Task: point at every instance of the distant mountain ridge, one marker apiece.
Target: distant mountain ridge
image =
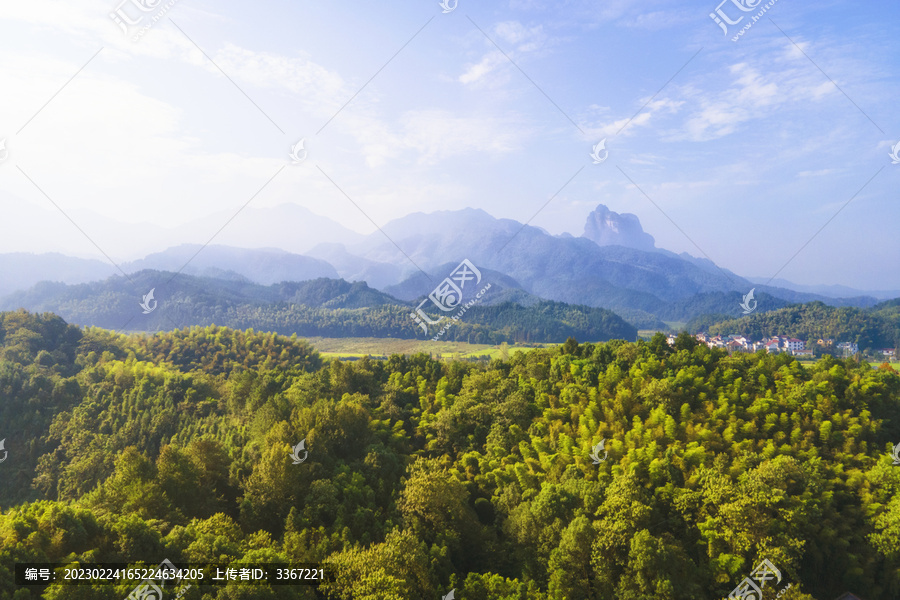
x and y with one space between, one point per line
614 265
262 265
572 270
22 270
575 270
320 307
830 291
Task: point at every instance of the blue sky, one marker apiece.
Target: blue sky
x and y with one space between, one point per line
744 155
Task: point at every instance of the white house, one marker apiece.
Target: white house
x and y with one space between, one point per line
793 344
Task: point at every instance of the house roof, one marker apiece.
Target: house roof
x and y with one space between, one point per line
848 596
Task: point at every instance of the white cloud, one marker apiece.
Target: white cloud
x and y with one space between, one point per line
313 85
476 72
526 39
629 125
431 136
660 19
751 95
517 39
818 173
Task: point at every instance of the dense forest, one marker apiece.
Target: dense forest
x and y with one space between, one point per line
315 308
877 327
425 476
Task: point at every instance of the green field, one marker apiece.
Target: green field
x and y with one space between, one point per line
674 327
360 347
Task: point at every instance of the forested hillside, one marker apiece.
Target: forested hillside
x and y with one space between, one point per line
878 327
315 308
425 476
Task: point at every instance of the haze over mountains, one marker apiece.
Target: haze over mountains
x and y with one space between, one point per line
289 227
318 307
613 265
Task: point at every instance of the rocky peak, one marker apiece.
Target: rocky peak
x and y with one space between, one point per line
607 228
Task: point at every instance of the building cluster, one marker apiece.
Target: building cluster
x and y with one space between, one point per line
781 344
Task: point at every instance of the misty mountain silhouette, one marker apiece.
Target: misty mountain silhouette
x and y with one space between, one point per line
613 265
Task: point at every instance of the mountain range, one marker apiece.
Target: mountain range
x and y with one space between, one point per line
318 307
613 265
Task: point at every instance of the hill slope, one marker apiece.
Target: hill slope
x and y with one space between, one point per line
875 328
321 307
637 280
420 476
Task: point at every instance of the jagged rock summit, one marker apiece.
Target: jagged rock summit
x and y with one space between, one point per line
607 228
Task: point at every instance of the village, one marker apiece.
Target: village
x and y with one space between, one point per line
786 345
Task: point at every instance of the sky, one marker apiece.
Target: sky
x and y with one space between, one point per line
768 152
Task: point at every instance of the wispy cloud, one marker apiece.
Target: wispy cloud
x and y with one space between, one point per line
516 40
